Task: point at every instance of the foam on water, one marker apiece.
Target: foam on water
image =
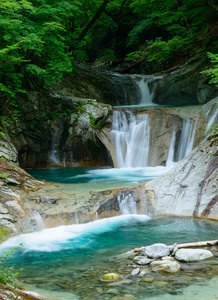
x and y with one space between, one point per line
123 174
70 236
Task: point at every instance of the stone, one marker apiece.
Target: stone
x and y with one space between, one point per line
166 266
189 255
171 248
137 258
148 279
144 261
129 297
121 282
156 250
112 291
110 277
135 272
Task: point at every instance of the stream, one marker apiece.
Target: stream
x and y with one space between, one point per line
67 262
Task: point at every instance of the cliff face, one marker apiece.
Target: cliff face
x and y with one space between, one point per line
190 188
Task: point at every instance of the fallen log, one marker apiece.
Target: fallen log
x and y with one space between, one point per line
198 244
188 245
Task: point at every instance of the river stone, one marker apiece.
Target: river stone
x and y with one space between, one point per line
193 254
110 277
166 266
156 251
135 272
112 291
137 258
144 261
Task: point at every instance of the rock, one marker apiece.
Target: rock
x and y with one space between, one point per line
188 255
121 282
112 291
137 258
142 274
168 258
199 177
144 261
171 248
110 277
135 272
15 208
129 297
148 279
156 250
166 266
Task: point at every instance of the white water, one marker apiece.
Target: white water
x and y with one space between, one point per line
38 219
170 159
127 204
132 138
145 95
70 236
187 138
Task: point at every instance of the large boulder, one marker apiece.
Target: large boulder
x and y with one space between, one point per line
190 188
166 266
156 251
189 255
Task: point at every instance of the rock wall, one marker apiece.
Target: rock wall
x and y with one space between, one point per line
190 188
184 85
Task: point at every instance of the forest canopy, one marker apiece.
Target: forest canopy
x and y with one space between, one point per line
41 40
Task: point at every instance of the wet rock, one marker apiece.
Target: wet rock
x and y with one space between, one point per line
166 266
193 254
112 291
110 277
15 208
144 261
148 279
156 251
135 272
121 282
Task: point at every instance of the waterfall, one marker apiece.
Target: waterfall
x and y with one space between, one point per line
170 159
132 137
187 138
127 204
38 219
145 96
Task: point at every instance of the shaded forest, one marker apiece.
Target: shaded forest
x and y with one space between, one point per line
42 40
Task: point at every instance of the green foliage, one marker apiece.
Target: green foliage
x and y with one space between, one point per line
213 71
8 275
4 175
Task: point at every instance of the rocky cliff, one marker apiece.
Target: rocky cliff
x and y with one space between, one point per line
190 188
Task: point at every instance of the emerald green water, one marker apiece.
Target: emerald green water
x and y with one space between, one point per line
67 262
92 175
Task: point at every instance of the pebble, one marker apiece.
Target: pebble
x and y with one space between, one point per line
135 272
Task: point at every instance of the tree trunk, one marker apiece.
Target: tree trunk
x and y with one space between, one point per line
94 19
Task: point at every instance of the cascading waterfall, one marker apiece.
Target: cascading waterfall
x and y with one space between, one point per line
38 219
145 96
127 204
187 138
170 159
132 137
132 140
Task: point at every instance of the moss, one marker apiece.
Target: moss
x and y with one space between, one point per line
110 276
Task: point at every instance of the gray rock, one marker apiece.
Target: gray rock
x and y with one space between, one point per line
137 258
188 255
144 261
166 266
156 250
135 272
